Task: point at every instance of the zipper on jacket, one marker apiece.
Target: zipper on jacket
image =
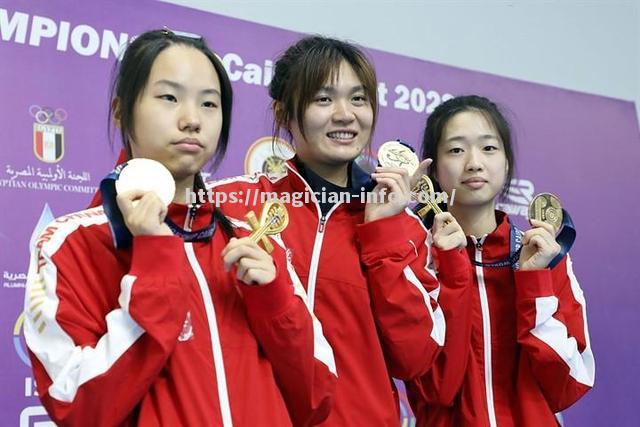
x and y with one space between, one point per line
321 225
214 334
317 245
315 258
486 332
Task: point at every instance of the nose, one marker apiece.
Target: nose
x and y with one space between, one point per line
474 160
343 112
189 119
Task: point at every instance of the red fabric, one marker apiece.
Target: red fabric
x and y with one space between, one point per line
377 322
166 375
530 381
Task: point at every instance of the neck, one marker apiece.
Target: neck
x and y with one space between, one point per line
475 221
184 186
337 175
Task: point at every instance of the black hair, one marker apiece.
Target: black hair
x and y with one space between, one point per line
132 73
130 79
438 120
304 68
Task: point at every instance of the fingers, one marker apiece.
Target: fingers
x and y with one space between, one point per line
248 270
143 213
444 220
399 175
125 200
541 224
447 233
252 263
390 184
548 237
423 169
239 248
543 240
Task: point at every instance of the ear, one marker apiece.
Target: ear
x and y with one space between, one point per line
279 114
115 111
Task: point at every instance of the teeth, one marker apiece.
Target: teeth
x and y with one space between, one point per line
341 135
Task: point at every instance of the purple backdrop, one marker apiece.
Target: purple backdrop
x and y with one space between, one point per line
56 62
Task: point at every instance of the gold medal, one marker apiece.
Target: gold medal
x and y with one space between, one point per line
546 207
424 193
393 154
273 220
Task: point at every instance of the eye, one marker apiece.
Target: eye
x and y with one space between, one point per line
456 150
322 99
359 99
490 148
210 104
168 97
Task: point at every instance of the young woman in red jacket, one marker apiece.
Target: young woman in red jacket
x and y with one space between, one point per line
517 345
365 266
187 325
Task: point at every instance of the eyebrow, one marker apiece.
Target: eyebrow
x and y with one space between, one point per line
463 139
332 89
178 86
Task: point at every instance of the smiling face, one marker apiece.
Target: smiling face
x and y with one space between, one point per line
177 118
471 160
337 123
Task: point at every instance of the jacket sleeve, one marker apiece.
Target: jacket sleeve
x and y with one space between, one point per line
292 339
442 383
552 330
396 253
82 360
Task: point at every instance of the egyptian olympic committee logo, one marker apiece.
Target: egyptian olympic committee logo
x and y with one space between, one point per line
268 156
48 133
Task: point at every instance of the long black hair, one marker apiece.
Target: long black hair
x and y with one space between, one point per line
438 120
130 78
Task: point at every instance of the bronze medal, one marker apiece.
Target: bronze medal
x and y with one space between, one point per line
546 207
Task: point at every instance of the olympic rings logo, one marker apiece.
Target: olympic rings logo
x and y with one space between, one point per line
47 115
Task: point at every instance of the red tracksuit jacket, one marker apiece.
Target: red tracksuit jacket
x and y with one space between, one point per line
159 335
370 286
517 345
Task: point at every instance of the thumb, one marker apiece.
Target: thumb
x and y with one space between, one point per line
423 169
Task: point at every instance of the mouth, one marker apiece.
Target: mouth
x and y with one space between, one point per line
475 182
342 136
189 145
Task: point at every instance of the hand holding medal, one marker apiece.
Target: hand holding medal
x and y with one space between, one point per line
552 234
273 220
142 189
391 195
395 154
254 265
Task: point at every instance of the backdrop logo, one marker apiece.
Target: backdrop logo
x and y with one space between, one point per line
518 198
48 133
268 156
18 341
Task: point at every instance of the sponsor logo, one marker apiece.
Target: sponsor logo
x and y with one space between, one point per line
518 198
268 156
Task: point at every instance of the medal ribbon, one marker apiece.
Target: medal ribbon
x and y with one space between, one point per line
122 237
565 239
